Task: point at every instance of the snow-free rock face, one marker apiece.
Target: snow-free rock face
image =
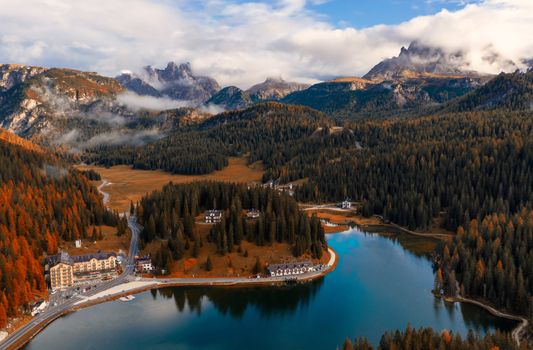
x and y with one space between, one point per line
31 97
421 61
273 89
80 111
175 81
13 74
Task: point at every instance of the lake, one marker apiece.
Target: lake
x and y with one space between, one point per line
378 285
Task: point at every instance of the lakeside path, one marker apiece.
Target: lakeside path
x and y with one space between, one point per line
517 332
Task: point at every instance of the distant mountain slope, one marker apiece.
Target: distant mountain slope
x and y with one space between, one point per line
420 61
271 132
33 98
176 82
274 89
77 111
513 91
231 97
351 98
419 79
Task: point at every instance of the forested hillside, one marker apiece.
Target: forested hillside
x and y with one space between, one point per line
427 338
346 100
508 91
456 166
170 214
270 132
491 259
41 203
464 166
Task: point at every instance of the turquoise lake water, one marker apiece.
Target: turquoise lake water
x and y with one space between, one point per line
378 285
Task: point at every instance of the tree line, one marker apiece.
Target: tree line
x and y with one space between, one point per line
410 171
427 338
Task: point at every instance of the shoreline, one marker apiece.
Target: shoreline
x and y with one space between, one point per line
517 333
140 285
143 285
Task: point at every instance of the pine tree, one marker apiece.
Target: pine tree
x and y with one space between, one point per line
208 264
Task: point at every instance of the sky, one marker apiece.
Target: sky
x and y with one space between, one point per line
241 42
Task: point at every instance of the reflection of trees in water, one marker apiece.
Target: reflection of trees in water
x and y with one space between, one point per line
419 246
478 320
268 301
473 316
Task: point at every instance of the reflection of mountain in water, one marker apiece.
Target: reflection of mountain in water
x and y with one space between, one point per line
268 301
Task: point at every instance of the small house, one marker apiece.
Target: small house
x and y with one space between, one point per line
213 216
144 264
346 204
253 214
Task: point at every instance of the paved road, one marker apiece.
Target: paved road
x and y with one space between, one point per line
21 335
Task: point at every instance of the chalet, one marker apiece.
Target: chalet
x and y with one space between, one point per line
346 204
289 269
144 264
213 216
253 214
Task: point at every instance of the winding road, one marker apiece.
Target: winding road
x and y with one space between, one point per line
104 194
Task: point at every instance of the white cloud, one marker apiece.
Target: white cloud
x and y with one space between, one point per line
135 102
242 43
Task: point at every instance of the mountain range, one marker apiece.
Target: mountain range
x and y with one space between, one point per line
81 110
175 81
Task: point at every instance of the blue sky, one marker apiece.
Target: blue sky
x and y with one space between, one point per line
365 13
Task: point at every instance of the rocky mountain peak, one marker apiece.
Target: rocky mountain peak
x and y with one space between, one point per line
174 81
274 88
14 74
420 60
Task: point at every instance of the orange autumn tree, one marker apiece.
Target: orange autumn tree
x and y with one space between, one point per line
41 203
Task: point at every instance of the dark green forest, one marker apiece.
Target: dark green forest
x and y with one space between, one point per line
170 214
270 132
454 166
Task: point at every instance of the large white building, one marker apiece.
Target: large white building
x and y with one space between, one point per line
66 270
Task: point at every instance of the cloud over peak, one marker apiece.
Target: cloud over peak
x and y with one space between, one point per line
240 43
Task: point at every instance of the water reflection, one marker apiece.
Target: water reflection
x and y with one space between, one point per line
268 302
419 246
380 284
